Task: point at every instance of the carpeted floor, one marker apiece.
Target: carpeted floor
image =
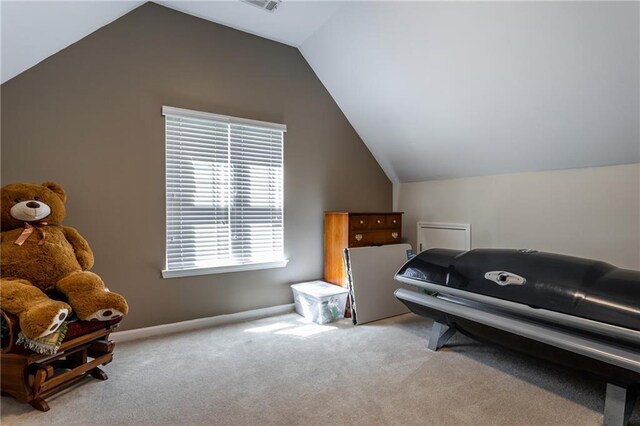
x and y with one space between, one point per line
283 371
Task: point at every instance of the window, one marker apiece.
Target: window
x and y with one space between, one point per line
223 192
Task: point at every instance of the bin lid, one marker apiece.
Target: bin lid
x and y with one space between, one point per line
319 289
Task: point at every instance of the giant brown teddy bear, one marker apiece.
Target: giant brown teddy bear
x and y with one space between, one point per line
40 255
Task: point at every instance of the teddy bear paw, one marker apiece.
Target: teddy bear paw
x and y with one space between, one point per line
104 315
56 323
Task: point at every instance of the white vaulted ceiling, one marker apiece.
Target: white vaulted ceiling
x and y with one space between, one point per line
443 90
435 89
292 23
34 30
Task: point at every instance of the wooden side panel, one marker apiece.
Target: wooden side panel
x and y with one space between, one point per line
15 378
336 238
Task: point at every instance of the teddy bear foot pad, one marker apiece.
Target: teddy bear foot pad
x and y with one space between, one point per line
56 323
104 315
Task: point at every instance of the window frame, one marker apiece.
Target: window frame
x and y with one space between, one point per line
175 273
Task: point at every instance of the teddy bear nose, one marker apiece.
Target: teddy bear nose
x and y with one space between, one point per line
33 205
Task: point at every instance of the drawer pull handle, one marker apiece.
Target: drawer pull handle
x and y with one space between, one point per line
358 237
361 222
378 221
394 221
394 235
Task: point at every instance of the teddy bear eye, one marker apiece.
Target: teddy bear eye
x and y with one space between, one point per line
36 198
17 200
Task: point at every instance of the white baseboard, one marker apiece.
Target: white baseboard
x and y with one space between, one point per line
157 330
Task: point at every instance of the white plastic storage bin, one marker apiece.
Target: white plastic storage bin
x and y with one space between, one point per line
320 301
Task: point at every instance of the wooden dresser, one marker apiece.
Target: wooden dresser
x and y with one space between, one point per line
343 229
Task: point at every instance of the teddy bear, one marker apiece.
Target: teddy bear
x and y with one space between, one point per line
40 255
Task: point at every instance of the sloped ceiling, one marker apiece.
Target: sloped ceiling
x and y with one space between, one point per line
34 30
443 90
435 89
292 23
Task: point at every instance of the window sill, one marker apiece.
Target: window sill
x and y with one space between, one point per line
223 269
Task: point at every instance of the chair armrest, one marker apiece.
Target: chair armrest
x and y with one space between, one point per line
13 326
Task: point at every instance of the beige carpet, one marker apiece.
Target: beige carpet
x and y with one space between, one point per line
282 371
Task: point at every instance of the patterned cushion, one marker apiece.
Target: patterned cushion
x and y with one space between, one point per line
75 329
80 328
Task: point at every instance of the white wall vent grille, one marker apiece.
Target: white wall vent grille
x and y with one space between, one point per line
268 5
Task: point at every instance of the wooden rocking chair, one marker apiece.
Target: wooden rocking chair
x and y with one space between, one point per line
30 377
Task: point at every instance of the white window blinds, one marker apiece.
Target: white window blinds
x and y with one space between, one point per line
224 193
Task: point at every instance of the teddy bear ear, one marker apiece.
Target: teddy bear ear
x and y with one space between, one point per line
57 189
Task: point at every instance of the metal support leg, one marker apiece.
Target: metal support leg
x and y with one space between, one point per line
618 405
440 333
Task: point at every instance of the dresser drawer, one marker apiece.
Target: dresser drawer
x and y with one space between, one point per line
371 238
378 221
371 221
358 222
394 220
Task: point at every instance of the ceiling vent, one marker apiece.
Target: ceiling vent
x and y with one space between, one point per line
268 5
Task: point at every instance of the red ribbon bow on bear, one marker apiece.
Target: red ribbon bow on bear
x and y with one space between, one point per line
28 230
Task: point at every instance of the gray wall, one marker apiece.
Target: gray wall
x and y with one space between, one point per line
590 212
90 118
